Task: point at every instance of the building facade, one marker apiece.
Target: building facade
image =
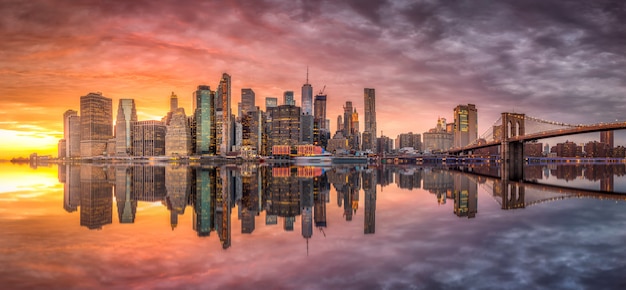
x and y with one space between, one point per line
178 135
205 120
96 124
149 138
438 139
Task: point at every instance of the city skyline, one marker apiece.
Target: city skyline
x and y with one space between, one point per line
558 61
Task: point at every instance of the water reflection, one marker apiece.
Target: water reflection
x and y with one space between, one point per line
288 194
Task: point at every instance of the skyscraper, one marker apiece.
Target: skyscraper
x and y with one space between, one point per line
320 111
223 92
606 137
307 96
465 125
126 115
148 138
370 119
96 124
178 135
247 101
71 133
288 98
347 118
205 120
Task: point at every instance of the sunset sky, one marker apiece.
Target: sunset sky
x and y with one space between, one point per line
555 60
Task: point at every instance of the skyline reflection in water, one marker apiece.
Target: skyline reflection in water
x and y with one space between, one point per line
352 227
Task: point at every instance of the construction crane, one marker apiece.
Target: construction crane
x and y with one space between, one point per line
321 91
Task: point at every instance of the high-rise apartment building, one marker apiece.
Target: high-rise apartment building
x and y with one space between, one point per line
205 120
96 124
465 125
288 98
607 137
126 115
369 102
247 101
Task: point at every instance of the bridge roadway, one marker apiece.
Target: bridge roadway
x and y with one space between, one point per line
546 134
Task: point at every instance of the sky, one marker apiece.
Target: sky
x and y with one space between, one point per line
555 60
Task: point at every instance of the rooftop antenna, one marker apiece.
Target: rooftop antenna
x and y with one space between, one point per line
307 74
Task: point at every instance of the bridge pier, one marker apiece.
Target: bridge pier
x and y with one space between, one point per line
511 193
512 165
511 151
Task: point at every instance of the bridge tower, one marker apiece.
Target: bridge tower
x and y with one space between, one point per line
512 151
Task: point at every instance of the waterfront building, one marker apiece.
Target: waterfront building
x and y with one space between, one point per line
126 115
148 138
597 149
96 124
567 149
411 140
465 125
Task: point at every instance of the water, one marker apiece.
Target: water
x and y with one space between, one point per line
310 228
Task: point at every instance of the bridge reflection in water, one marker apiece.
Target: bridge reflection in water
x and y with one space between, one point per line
513 193
288 193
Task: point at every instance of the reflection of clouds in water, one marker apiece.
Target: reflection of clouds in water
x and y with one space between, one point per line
572 243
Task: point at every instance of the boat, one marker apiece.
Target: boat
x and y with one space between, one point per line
318 159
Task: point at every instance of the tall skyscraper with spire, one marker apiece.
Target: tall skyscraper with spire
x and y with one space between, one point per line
369 132
126 116
307 96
